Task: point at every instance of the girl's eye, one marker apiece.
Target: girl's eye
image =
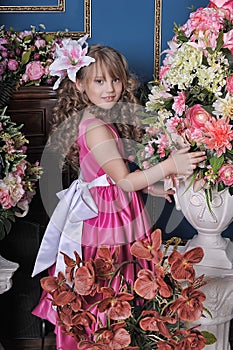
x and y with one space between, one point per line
116 80
99 81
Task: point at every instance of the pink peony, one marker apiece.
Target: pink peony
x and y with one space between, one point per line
34 70
197 116
12 65
229 86
226 174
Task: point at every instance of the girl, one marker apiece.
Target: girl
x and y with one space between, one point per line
99 90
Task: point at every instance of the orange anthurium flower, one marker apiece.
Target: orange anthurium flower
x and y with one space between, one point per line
182 264
84 279
144 249
189 306
149 283
115 305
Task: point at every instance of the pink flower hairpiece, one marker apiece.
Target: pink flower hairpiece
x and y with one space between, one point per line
69 58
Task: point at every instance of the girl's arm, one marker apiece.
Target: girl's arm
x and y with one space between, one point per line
102 144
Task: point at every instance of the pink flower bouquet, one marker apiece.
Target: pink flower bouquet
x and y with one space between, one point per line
26 56
192 103
17 176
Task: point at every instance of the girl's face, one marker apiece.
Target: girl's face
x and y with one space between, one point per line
102 90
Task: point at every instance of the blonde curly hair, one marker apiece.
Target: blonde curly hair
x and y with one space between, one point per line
71 102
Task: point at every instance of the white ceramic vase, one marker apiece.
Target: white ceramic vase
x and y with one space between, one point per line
218 251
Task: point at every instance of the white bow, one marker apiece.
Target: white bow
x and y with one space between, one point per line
64 230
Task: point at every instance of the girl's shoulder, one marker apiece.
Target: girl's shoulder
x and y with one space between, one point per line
91 123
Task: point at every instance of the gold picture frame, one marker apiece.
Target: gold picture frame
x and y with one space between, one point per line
14 9
61 4
157 36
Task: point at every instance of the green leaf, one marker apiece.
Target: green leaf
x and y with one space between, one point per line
216 163
220 41
209 337
26 57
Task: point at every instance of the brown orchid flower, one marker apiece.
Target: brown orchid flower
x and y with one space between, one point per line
115 305
191 339
144 249
54 285
163 345
156 323
91 345
104 264
84 279
70 265
189 306
182 264
149 283
117 337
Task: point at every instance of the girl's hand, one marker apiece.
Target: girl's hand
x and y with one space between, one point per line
157 190
185 162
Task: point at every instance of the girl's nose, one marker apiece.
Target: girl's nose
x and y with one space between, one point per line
110 86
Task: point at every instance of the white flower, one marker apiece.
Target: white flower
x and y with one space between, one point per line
224 106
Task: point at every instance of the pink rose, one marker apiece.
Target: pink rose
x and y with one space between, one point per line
229 86
34 70
226 174
197 116
12 64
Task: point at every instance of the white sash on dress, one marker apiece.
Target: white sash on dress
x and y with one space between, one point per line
64 230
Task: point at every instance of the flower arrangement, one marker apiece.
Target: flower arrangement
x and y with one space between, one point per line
101 309
26 56
192 103
17 175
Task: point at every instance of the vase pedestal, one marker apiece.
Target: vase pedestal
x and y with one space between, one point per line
219 301
218 251
209 223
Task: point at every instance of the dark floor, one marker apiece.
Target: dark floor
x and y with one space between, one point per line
32 344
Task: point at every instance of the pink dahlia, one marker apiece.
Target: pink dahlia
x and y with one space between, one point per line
218 135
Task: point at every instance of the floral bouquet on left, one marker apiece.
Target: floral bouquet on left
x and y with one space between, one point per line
17 175
26 56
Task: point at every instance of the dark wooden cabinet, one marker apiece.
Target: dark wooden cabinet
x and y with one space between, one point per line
32 107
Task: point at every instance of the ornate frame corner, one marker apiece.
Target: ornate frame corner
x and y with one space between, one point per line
14 9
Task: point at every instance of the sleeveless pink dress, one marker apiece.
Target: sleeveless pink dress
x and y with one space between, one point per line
122 219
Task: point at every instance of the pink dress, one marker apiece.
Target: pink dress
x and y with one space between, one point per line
122 218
